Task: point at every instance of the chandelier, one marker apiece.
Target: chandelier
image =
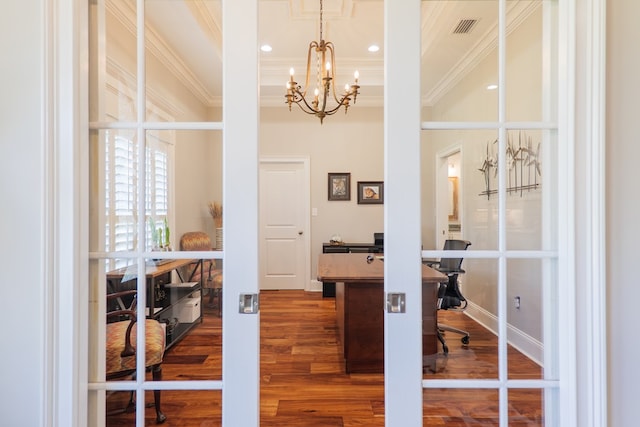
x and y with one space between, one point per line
324 74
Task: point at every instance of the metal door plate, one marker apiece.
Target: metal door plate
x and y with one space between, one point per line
249 303
396 302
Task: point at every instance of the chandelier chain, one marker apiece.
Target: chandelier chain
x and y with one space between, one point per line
321 21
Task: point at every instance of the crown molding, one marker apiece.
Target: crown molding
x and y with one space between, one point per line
332 9
155 101
125 13
516 15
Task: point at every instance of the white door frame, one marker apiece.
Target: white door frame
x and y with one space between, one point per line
441 193
306 225
402 213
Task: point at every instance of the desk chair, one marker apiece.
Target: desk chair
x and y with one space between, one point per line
449 295
209 277
121 350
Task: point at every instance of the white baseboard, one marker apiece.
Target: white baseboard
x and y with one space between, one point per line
314 286
524 343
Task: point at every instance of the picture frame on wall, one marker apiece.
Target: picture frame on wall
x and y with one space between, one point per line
339 185
370 192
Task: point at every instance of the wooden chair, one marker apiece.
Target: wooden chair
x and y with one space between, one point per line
121 351
210 277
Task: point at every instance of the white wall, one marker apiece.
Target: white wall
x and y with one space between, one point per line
351 143
198 175
22 180
623 210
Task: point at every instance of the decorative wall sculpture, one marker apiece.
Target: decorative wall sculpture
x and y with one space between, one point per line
523 163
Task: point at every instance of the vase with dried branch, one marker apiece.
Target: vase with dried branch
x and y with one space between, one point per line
215 209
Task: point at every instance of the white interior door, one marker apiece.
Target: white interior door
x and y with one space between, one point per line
284 224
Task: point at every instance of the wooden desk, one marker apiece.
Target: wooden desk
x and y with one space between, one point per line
360 308
329 288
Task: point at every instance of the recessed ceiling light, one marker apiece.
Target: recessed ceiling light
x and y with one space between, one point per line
374 48
492 87
266 48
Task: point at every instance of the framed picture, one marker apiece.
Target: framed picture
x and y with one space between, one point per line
339 186
370 192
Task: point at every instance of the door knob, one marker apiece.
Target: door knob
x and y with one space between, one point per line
300 233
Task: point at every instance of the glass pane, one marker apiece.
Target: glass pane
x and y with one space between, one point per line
184 60
114 165
113 61
459 407
196 343
458 173
459 60
471 311
524 199
531 62
526 408
198 183
531 189
532 317
181 408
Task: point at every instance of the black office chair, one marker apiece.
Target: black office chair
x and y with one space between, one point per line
449 295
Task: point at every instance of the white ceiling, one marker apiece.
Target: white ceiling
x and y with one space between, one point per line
187 37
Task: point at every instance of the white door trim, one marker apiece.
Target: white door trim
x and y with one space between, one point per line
590 119
442 221
65 230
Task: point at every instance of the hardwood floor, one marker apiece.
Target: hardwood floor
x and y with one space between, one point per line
303 382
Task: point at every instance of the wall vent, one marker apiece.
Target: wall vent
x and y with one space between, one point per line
465 26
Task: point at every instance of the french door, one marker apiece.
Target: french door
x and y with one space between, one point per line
503 259
503 105
213 143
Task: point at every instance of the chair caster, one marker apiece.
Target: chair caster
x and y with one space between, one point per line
465 340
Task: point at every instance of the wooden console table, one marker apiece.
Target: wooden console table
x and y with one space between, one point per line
165 299
360 305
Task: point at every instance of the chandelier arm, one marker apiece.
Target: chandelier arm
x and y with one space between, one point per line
301 101
344 101
313 45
